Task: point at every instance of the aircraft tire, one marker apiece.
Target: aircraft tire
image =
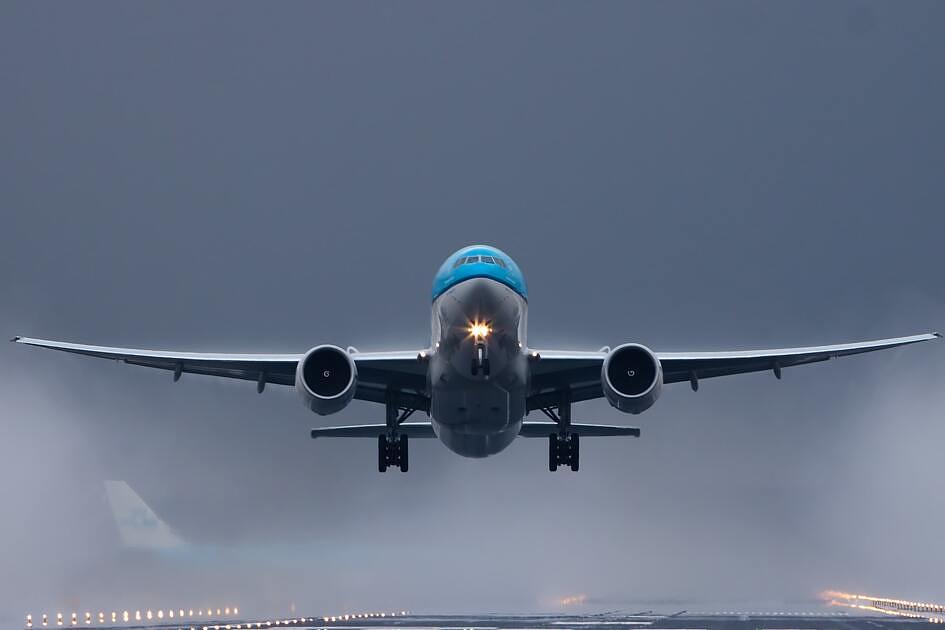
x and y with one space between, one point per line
552 452
404 460
382 453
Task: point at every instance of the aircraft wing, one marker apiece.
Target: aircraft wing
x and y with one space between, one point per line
377 371
578 373
425 430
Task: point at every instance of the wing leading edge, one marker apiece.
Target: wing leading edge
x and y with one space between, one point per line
579 372
377 371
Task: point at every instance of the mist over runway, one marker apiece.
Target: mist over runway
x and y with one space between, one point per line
644 620
248 178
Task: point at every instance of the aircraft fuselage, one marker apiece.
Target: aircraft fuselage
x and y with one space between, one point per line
478 373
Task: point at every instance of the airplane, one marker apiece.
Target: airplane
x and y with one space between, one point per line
138 526
478 379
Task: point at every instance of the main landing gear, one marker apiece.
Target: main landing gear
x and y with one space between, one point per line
564 451
392 446
564 447
392 451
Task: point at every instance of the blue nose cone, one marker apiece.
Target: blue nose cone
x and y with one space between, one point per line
479 261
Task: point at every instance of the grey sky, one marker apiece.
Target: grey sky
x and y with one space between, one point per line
229 176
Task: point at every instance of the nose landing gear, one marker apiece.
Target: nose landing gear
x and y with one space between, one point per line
480 362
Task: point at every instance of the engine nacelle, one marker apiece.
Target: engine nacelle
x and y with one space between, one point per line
326 378
632 378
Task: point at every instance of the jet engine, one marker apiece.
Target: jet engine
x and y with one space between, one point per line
631 377
326 378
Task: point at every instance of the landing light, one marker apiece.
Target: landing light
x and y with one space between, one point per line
479 331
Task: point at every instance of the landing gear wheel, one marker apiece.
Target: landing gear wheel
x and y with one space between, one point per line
553 452
485 367
382 453
402 453
575 452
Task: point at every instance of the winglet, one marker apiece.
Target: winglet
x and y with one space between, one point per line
15 339
937 334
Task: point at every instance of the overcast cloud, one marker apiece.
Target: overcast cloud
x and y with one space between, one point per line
266 177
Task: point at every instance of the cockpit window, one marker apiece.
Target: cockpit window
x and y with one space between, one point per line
488 260
500 262
472 259
459 261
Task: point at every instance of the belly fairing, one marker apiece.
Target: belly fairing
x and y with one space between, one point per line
476 445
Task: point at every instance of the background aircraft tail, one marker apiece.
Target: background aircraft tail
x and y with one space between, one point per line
138 525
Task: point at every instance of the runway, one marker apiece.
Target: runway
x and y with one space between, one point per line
610 621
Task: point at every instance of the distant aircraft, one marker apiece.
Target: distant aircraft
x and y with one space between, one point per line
139 527
478 379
